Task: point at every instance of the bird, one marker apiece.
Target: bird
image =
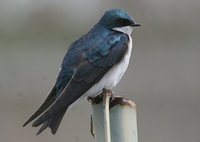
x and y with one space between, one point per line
94 62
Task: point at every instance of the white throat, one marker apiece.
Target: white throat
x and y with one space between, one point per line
126 29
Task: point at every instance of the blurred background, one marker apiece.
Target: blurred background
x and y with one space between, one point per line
163 76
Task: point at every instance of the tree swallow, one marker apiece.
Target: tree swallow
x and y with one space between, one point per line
96 61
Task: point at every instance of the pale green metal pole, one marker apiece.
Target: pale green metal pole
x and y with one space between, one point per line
123 122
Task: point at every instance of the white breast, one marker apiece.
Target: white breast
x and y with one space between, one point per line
113 76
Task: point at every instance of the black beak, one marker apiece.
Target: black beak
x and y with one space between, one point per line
135 25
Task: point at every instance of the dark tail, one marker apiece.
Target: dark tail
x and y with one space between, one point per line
53 123
49 100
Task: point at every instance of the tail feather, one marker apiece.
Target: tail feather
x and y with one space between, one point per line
56 122
53 123
43 127
49 100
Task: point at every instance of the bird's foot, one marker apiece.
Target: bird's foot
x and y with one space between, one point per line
99 98
95 100
108 93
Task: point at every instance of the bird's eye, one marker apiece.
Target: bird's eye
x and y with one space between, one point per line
123 22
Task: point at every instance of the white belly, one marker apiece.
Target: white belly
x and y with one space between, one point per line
113 76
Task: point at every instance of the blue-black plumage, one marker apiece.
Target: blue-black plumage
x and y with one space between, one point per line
94 62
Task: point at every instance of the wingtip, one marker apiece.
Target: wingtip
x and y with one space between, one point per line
29 120
38 122
26 123
35 124
38 133
43 127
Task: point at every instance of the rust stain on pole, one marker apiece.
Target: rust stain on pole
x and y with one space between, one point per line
122 101
118 100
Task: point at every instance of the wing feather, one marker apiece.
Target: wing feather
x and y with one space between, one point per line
86 75
48 101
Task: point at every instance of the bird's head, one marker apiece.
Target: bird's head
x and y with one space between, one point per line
118 20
